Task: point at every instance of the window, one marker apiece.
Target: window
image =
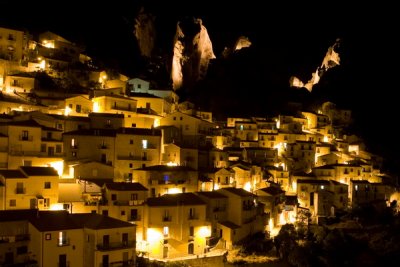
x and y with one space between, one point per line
191 231
166 231
139 86
22 250
62 238
78 108
13 202
58 148
74 154
131 142
174 118
144 144
59 126
47 185
187 127
46 203
130 165
47 236
113 197
43 148
134 196
180 118
73 143
122 212
25 135
133 125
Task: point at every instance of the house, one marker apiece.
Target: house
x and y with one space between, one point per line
176 226
29 188
162 179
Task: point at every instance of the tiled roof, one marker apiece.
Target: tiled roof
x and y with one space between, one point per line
229 224
211 194
12 174
185 199
39 171
125 186
237 191
97 221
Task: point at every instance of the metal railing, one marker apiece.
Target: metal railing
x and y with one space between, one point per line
116 245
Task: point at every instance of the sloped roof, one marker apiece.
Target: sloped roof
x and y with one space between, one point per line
12 174
125 186
211 194
184 199
39 171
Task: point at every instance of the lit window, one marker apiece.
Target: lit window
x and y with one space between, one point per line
47 185
322 186
144 143
241 127
62 238
73 142
166 231
356 187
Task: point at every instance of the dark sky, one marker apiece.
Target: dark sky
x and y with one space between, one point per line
289 38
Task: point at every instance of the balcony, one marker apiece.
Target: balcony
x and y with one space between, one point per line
166 218
63 264
74 147
219 209
14 238
135 218
36 154
116 245
129 263
103 146
134 158
20 190
63 242
25 138
128 202
193 217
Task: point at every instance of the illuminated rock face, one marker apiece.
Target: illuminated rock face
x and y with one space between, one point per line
242 42
192 53
145 32
331 60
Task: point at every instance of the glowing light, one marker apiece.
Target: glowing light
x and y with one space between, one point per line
96 107
67 111
282 220
42 64
204 231
174 190
144 144
57 206
271 224
247 186
172 163
58 166
294 186
216 186
156 123
48 44
153 235
326 140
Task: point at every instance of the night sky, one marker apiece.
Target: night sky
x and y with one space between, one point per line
289 38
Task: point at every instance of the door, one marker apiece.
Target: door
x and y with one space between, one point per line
62 260
50 151
125 239
165 252
105 261
125 258
106 241
33 203
9 258
191 248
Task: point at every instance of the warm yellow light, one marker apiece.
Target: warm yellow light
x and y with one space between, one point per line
104 77
172 163
153 235
326 140
58 166
67 111
216 186
282 220
57 206
174 190
294 186
156 123
48 44
271 224
42 64
96 107
204 231
247 186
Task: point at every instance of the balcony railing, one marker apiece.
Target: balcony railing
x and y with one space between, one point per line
128 202
116 245
25 138
103 146
63 264
20 190
219 209
193 217
36 154
129 263
14 238
166 218
63 242
134 218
